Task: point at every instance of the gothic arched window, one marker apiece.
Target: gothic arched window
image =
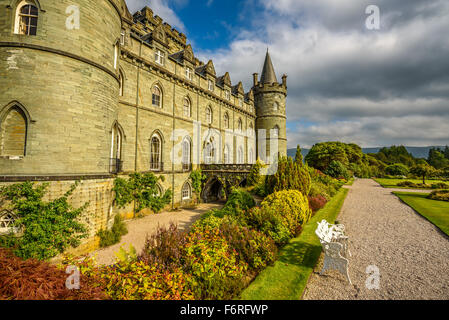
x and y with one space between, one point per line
186 154
209 115
8 223
156 153
121 80
240 156
13 133
186 191
157 97
226 155
27 15
276 132
240 125
187 108
226 121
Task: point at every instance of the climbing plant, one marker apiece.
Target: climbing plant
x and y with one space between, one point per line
197 177
49 227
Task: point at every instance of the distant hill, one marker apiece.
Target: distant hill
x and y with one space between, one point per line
417 152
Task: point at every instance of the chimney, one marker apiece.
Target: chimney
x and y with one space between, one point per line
256 79
284 80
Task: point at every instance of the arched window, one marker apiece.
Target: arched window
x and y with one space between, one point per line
116 54
209 115
156 153
27 15
186 191
13 133
226 121
209 152
7 223
187 108
240 125
226 155
251 130
121 80
276 106
157 97
116 149
159 191
276 132
240 156
186 155
251 156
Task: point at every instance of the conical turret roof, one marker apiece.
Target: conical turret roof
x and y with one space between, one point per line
268 73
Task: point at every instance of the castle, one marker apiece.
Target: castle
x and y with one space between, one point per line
90 92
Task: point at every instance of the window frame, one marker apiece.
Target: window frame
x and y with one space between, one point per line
156 154
160 97
186 192
209 115
159 57
18 17
187 107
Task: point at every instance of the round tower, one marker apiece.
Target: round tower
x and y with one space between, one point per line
271 124
59 85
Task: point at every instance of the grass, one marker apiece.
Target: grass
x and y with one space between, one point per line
288 277
350 182
435 211
393 183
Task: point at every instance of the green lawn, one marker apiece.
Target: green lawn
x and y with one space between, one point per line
392 183
435 211
288 277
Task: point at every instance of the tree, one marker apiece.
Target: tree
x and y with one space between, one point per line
423 170
446 152
290 175
337 170
254 175
298 157
397 169
437 158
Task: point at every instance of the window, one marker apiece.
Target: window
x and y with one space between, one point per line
227 159
209 115
186 191
156 97
211 85
122 37
240 156
115 165
276 106
226 121
26 18
241 103
251 156
187 108
156 153
189 73
227 95
276 132
159 191
7 223
240 125
159 57
209 152
251 130
121 83
13 133
116 54
186 154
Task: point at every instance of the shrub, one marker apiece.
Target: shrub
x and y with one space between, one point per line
49 228
441 195
113 236
316 203
440 185
291 205
337 170
253 247
397 169
165 248
240 199
36 280
408 184
217 272
269 223
197 178
254 176
290 175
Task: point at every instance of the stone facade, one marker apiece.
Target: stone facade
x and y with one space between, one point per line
78 102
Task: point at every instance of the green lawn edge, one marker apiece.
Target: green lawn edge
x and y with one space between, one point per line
437 212
288 277
393 183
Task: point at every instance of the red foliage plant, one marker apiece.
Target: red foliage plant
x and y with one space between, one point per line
36 280
316 203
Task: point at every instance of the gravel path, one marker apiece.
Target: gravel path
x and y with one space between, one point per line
138 229
411 253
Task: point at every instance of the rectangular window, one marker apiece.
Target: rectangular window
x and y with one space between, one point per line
189 73
227 95
122 37
159 57
211 85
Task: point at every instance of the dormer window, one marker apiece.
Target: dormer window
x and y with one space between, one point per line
159 57
122 37
26 18
227 95
211 85
240 102
189 73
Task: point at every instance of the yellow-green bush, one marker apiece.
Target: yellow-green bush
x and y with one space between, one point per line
292 206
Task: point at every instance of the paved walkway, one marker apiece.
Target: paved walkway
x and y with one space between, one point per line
411 253
138 229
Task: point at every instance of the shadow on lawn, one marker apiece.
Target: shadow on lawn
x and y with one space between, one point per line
300 253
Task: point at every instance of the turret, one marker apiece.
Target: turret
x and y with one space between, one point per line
270 101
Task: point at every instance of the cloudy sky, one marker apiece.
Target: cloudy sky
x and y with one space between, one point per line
345 82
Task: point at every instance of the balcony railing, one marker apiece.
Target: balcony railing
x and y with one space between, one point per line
227 167
157 166
186 167
115 166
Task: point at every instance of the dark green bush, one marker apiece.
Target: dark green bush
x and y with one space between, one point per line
440 185
440 195
113 236
337 170
397 169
